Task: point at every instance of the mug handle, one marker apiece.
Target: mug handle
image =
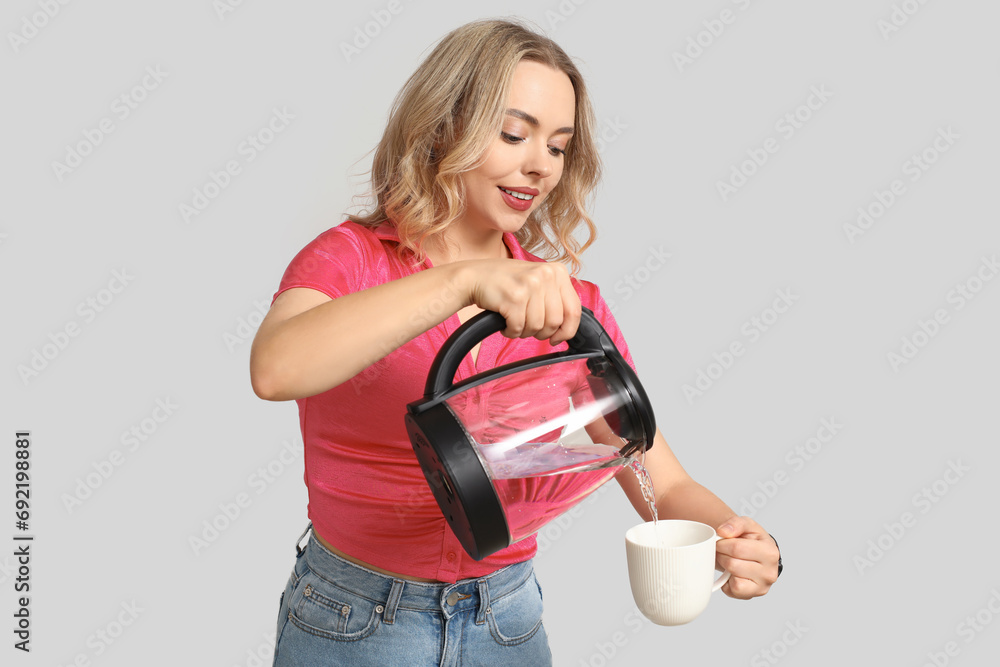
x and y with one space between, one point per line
723 578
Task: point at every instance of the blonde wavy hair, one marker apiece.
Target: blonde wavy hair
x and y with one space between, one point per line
444 121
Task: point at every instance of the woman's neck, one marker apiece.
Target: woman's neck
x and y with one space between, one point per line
457 244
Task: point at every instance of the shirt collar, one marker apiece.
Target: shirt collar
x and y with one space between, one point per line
387 232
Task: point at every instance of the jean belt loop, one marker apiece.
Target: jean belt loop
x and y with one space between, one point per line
484 601
299 550
389 617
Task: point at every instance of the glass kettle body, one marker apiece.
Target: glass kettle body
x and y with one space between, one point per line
508 450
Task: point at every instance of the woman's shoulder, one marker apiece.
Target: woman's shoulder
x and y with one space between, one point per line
348 231
353 239
347 255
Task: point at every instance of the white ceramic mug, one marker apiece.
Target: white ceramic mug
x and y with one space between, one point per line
671 565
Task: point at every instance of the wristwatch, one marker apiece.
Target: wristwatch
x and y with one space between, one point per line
780 566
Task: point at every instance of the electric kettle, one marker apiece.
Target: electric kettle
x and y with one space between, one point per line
507 450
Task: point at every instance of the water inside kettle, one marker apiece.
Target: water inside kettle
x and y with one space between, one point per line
546 459
543 459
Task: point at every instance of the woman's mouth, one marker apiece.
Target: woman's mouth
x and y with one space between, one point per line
519 201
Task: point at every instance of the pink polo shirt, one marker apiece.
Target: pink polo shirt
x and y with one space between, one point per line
367 493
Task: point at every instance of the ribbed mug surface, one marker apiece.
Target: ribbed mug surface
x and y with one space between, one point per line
671 566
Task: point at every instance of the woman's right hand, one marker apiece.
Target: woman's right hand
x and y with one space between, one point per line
536 298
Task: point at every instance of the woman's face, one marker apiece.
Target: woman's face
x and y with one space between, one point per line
528 156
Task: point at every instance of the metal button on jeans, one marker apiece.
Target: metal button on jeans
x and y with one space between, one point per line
453 598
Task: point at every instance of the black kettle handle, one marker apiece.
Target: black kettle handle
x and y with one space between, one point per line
485 324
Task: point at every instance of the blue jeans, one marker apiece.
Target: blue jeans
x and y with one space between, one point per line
334 612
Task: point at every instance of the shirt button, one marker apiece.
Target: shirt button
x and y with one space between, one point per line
451 556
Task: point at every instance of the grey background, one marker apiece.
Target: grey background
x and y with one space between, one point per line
180 330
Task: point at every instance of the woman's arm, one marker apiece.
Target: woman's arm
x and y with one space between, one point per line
747 551
309 343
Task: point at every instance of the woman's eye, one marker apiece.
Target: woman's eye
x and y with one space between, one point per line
513 139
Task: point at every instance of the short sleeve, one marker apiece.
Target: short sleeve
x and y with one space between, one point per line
590 297
333 263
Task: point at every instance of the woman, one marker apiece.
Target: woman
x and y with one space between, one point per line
488 155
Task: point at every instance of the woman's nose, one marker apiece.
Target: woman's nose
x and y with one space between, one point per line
539 162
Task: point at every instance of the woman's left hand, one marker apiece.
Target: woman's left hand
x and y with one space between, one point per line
750 554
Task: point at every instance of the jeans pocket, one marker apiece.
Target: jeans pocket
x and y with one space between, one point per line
324 609
516 617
